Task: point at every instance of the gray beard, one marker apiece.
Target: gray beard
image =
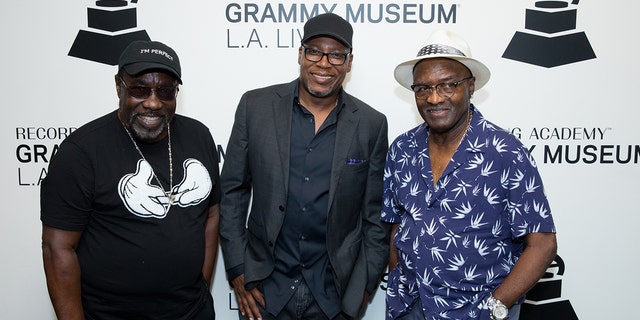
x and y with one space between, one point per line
143 134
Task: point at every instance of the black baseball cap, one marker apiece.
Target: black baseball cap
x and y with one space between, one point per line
141 56
329 24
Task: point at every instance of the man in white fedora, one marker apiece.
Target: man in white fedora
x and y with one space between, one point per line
472 227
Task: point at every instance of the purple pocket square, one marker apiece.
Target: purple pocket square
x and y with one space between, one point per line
355 161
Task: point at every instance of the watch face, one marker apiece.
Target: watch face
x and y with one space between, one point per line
500 312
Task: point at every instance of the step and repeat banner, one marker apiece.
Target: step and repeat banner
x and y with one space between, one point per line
564 75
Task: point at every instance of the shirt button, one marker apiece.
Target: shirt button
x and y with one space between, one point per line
306 179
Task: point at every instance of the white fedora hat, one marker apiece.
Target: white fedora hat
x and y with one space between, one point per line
443 44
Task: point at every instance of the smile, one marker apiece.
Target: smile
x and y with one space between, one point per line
322 78
150 120
437 110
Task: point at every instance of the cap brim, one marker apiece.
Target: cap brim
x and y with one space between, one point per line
328 34
137 68
404 71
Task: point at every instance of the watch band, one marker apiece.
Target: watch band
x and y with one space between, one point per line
497 309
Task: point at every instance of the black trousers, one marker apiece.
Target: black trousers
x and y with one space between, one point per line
301 306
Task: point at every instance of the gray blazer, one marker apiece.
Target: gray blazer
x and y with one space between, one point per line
256 172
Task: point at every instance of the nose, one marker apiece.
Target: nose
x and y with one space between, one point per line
434 97
152 102
324 60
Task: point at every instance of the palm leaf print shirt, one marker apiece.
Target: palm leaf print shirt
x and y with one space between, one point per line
457 241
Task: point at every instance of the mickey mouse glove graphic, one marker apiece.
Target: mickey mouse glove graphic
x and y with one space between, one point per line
149 201
195 186
139 196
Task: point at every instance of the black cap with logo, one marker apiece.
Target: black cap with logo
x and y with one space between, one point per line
141 56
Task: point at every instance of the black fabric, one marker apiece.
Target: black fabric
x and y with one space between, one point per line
301 251
329 24
132 267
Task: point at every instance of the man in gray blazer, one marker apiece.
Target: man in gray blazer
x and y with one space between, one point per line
309 159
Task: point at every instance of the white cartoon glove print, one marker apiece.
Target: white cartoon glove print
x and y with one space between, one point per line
139 196
195 186
149 201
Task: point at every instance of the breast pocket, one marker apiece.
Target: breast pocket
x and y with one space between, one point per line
354 179
356 165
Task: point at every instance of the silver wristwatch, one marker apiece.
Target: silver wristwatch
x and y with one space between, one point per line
497 309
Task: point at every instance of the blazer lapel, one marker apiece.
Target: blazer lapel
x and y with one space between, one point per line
282 113
346 129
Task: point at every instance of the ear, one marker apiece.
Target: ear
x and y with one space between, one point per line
472 86
349 61
118 84
300 55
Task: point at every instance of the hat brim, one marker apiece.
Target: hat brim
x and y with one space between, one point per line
404 71
137 68
327 34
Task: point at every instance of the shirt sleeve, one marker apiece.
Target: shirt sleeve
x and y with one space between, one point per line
391 212
528 205
67 191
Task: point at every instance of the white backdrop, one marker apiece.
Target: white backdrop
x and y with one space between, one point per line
587 105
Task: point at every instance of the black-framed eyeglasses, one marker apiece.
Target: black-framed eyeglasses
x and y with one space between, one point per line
335 58
445 89
142 92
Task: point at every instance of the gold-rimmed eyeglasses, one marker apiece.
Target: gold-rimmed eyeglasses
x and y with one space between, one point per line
445 89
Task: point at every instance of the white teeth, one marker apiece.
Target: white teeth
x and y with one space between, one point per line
149 120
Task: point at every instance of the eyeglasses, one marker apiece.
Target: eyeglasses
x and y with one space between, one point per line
445 89
141 92
335 58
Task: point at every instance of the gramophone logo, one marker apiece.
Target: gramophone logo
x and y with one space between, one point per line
112 26
551 39
544 300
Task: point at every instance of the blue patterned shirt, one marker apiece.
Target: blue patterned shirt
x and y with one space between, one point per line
457 241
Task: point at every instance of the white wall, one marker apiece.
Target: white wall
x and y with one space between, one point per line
594 204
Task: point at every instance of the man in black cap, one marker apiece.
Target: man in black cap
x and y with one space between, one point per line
310 158
130 205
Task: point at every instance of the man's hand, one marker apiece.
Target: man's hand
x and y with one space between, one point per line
247 299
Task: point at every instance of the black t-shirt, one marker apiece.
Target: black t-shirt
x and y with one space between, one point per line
138 260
